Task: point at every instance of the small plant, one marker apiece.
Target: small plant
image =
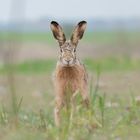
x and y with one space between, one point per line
102 107
43 123
93 94
3 115
10 75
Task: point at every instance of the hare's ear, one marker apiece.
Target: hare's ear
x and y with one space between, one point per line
78 32
58 32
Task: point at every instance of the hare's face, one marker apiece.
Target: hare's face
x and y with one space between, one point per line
67 54
68 48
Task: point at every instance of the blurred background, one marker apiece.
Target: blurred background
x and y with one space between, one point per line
28 51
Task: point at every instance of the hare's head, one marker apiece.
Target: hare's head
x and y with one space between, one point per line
68 47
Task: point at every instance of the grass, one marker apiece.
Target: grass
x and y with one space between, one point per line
38 66
131 37
105 119
47 66
113 64
112 37
98 122
27 37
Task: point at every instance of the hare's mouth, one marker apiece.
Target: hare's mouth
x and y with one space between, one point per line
68 65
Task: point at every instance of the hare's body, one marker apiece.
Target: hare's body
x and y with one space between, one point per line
74 78
70 74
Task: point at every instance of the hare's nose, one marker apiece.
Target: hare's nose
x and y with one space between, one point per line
68 61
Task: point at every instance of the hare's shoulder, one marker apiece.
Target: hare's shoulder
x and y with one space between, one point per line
80 63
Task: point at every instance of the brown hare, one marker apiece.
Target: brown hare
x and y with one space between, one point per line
69 73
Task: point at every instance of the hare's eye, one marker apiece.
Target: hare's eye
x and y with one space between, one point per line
74 50
60 50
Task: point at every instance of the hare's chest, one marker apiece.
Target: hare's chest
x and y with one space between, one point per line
69 74
71 84
69 77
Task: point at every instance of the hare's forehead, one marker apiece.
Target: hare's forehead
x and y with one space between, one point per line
67 46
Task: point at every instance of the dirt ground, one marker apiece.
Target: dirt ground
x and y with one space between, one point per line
34 50
83 51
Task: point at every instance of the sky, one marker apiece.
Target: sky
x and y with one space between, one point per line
68 9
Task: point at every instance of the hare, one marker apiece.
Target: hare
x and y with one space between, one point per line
70 72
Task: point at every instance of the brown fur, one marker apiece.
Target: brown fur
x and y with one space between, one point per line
74 78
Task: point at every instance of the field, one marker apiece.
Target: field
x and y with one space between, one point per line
27 95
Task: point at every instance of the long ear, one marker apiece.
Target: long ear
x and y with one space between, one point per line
78 32
58 32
